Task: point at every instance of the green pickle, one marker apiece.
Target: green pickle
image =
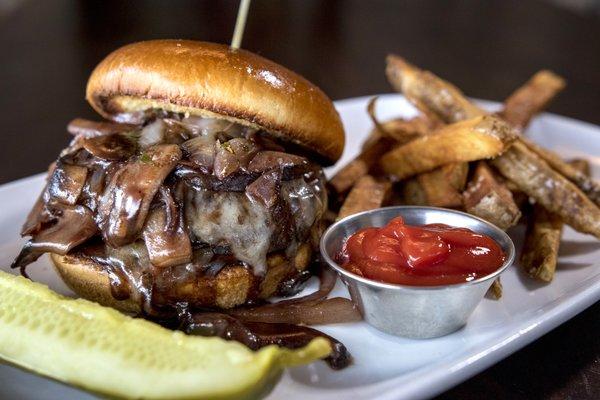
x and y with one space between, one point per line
99 349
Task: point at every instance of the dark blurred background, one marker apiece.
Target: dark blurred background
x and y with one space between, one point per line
487 48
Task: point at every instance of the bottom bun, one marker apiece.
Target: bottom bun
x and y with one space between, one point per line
232 286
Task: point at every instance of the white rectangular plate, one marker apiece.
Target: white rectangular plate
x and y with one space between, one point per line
387 367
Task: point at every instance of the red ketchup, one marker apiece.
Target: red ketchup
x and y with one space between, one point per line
428 255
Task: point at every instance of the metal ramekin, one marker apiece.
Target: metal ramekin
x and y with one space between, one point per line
414 311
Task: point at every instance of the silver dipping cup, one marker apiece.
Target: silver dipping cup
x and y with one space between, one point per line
418 312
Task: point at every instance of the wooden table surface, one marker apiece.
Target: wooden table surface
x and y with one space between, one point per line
487 48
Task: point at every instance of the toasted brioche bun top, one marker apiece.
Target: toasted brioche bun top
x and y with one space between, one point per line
213 80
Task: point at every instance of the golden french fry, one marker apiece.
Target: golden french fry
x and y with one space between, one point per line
400 129
373 137
442 99
346 177
367 194
583 181
531 98
441 187
549 188
474 139
495 291
432 95
386 135
486 198
542 240
581 165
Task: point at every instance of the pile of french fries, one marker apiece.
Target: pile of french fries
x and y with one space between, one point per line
455 154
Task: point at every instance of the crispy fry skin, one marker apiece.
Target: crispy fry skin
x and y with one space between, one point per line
441 187
400 129
588 185
373 137
531 98
367 194
542 240
346 177
385 136
495 291
474 139
404 130
581 165
540 251
549 188
488 199
433 96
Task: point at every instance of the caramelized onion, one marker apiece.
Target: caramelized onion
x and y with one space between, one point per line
115 146
268 160
167 241
265 189
36 217
67 182
124 207
98 177
200 150
233 155
317 312
256 335
226 163
312 309
327 280
87 128
265 143
71 226
243 149
236 182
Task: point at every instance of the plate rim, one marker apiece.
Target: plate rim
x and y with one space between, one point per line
442 375
471 363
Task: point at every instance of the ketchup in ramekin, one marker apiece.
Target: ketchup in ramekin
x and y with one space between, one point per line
427 255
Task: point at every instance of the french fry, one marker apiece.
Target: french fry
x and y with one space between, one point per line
583 181
367 194
436 98
540 250
531 98
549 188
400 129
488 199
446 102
495 291
404 130
581 165
373 137
542 240
474 139
346 177
385 136
441 187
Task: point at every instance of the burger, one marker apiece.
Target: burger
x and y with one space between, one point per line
202 188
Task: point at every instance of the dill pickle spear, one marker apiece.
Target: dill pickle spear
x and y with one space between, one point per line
99 349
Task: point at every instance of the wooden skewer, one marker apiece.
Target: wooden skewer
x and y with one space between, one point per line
240 24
